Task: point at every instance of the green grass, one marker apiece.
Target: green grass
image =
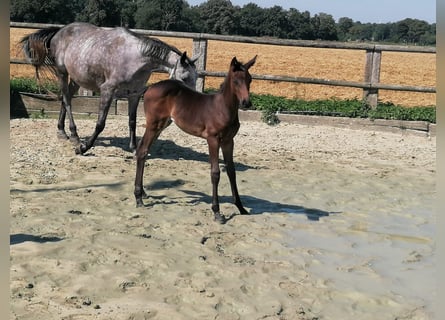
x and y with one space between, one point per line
39 115
31 85
271 105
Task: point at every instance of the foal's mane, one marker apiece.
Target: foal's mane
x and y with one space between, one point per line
153 47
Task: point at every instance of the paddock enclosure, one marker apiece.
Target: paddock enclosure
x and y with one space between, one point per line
302 61
342 221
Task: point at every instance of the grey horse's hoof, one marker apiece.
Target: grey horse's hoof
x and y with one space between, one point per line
61 135
75 140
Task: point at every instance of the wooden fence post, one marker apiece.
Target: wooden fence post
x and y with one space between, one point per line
200 49
372 76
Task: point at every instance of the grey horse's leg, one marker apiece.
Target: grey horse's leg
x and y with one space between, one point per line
61 123
61 134
133 102
68 90
106 96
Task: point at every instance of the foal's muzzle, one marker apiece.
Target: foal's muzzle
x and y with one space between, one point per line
245 104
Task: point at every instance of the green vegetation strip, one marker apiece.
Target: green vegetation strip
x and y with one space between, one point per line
271 105
31 85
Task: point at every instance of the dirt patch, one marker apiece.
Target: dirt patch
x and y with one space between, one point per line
341 226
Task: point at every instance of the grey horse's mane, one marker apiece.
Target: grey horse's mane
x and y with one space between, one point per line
154 47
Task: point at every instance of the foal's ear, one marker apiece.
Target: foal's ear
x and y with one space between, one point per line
235 65
251 62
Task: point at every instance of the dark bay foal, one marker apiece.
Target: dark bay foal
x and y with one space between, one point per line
213 117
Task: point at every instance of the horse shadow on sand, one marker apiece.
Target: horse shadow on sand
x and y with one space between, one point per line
254 205
22 237
168 149
260 206
164 149
112 185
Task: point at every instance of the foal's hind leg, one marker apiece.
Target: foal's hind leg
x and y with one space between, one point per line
227 150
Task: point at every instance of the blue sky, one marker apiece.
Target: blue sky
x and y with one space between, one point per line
379 11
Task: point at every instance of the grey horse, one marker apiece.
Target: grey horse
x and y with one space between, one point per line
115 62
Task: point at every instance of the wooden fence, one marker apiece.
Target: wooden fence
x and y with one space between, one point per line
371 79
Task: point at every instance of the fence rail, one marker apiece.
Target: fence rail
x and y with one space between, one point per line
371 84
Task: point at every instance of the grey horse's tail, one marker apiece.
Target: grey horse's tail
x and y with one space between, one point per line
36 47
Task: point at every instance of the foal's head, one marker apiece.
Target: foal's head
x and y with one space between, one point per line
239 80
185 71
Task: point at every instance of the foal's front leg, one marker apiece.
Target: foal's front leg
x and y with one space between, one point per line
227 150
214 176
150 135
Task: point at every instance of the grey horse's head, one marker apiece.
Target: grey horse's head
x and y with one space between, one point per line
185 70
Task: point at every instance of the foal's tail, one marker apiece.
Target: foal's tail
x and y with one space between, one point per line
36 47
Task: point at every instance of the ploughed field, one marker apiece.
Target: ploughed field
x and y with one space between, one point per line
415 69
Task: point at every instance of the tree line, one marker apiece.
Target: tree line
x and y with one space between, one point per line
221 17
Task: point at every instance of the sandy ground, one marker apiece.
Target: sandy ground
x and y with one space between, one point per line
342 226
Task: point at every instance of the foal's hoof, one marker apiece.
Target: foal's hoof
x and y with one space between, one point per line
80 149
139 204
220 218
243 211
